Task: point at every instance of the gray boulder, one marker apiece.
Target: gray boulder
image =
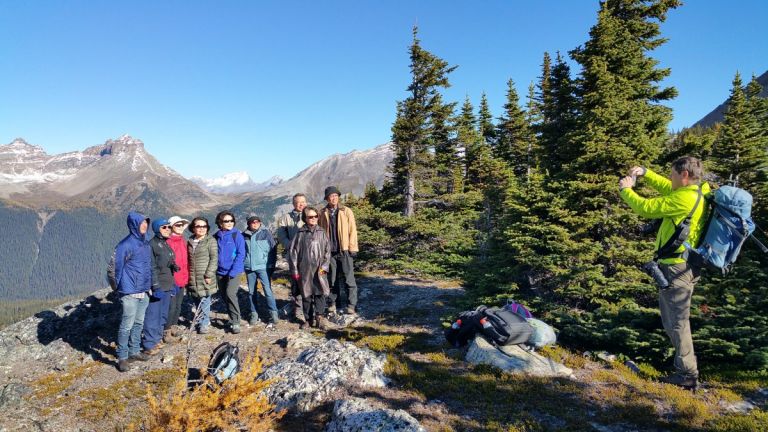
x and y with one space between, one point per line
357 415
514 359
321 373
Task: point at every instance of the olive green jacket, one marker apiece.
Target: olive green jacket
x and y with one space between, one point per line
672 207
203 262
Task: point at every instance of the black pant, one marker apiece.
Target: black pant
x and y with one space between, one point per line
314 305
342 272
174 310
228 288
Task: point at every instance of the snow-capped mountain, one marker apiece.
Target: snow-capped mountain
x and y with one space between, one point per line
116 175
236 182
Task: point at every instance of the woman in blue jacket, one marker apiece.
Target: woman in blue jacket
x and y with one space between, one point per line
231 247
260 259
133 276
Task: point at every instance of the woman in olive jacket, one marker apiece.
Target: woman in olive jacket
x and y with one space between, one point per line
203 261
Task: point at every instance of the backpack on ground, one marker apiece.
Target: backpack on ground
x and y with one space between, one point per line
519 309
503 327
728 227
225 362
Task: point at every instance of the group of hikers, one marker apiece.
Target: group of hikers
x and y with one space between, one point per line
320 245
153 276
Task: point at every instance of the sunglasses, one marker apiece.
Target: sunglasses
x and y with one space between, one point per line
165 227
200 226
227 221
312 217
179 224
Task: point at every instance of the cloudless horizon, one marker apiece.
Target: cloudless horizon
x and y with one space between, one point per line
272 87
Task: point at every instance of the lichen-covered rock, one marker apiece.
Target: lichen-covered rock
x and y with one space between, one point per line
321 373
514 359
358 415
12 394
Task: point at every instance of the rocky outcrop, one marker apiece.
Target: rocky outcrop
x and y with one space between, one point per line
321 373
514 359
358 415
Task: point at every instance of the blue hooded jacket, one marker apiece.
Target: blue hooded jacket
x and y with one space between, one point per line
261 249
133 259
231 246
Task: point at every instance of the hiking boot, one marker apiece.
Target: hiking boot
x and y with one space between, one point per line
253 321
331 309
236 329
139 356
203 330
270 326
323 323
303 325
155 350
688 382
350 310
169 338
123 365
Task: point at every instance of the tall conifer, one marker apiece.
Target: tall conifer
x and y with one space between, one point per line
412 127
514 144
485 121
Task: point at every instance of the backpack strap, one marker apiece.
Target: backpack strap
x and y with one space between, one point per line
668 249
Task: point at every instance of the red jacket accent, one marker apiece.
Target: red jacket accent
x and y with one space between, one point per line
178 245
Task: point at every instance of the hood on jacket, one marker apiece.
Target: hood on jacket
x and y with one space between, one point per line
134 222
156 224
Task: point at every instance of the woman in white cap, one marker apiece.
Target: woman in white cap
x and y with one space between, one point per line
178 244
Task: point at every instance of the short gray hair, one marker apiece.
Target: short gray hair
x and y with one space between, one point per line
690 164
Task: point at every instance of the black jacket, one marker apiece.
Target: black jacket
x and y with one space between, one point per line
163 265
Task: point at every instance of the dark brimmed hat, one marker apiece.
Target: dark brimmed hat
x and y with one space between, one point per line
253 218
331 190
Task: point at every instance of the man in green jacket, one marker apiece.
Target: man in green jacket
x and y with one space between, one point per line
678 198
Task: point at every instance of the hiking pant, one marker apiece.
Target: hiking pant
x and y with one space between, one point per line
313 306
296 299
155 319
675 307
204 305
174 308
131 324
264 276
342 272
228 287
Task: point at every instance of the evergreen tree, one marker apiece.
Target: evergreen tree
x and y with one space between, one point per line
412 128
485 121
471 144
620 123
559 109
737 153
515 138
447 161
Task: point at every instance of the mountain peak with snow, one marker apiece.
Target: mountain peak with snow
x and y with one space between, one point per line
235 182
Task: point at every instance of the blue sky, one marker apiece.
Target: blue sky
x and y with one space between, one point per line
271 87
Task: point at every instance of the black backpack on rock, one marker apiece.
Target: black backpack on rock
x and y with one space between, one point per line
499 326
503 327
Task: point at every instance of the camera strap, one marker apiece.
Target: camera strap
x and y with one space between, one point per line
668 250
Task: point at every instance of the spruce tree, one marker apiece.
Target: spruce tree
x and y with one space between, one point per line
621 123
515 137
485 121
559 109
737 153
412 128
447 161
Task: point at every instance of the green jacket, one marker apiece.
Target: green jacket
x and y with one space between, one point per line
672 207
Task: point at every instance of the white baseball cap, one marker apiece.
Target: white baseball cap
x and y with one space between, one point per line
173 220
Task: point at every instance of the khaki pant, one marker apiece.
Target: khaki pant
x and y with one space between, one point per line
675 306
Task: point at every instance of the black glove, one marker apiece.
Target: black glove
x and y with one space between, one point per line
174 267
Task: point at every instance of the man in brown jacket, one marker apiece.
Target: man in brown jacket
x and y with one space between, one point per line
338 222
